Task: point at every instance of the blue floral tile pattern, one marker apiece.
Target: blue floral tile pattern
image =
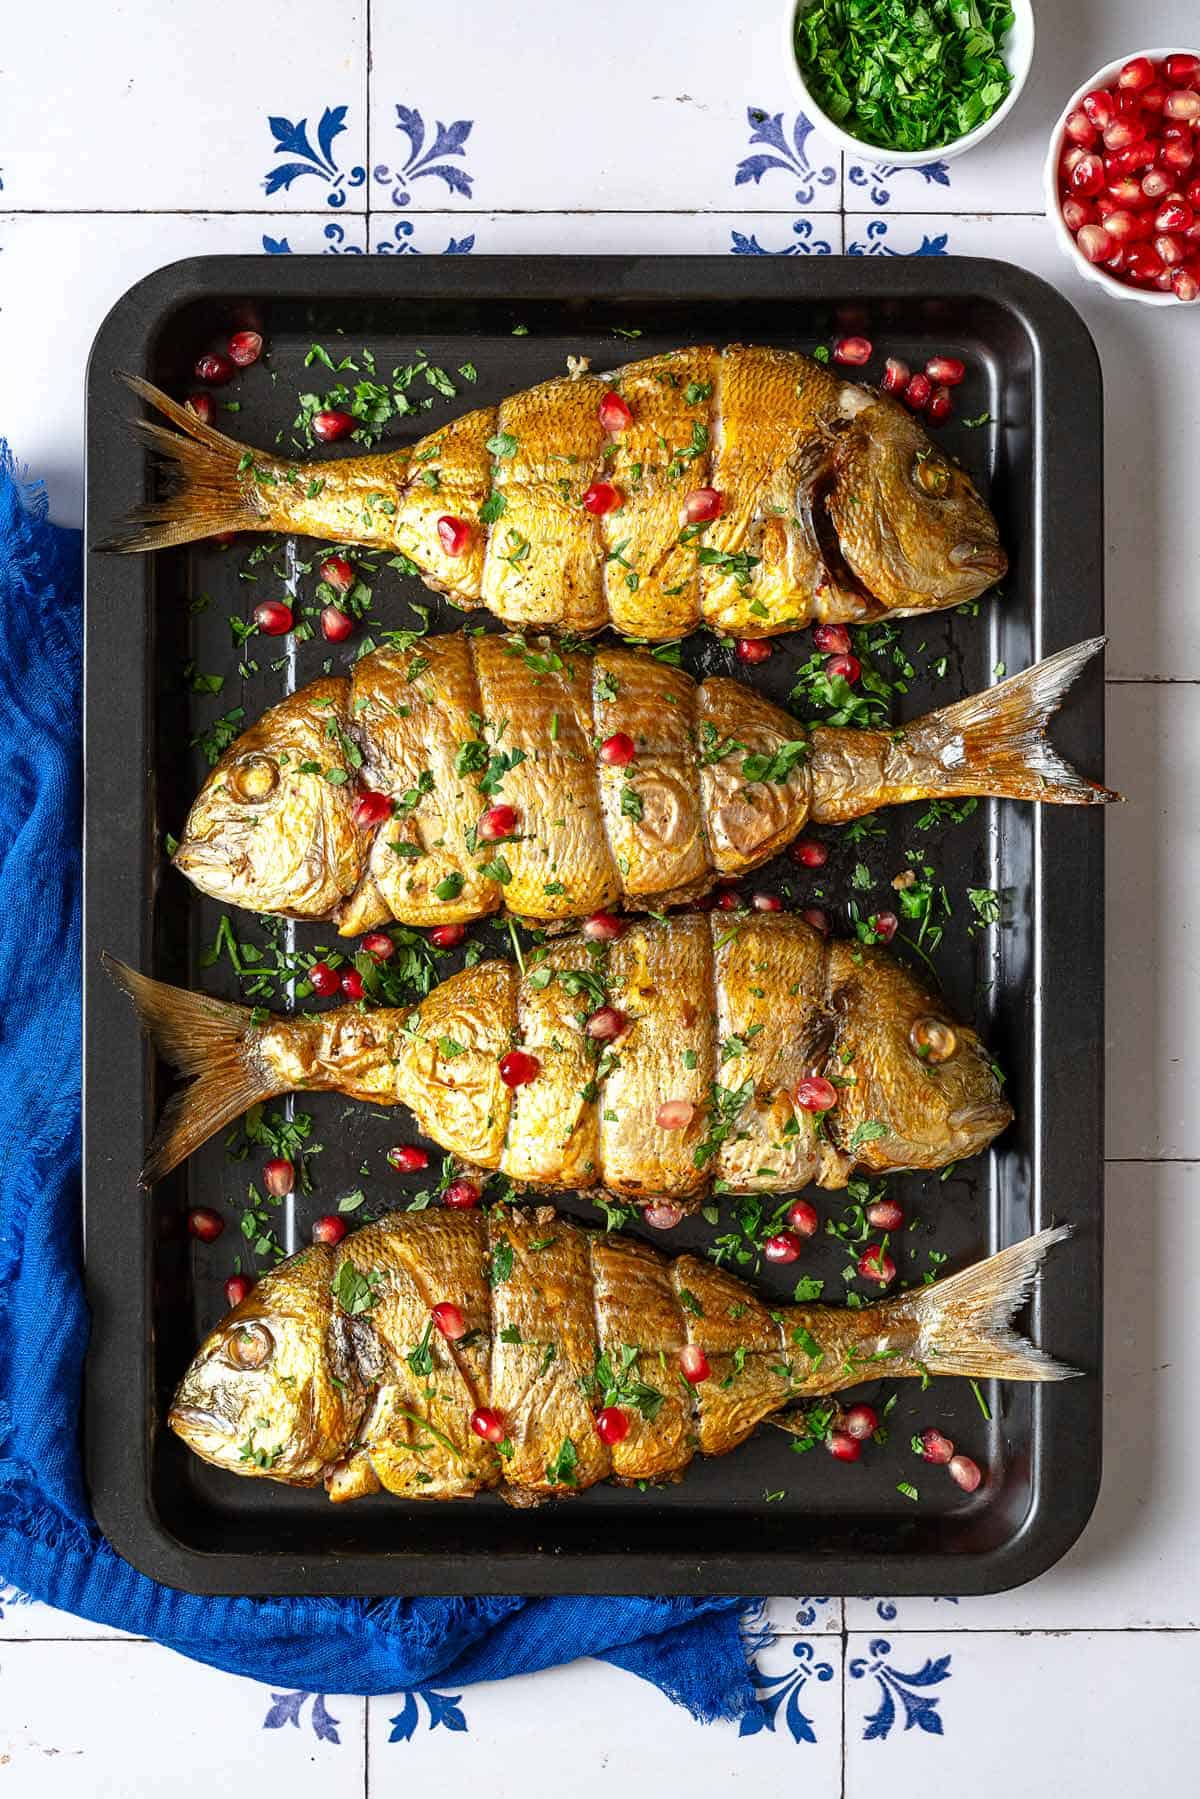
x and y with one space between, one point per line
786 149
776 1691
335 234
426 163
444 1709
919 1707
806 244
287 1708
303 161
875 242
403 244
873 176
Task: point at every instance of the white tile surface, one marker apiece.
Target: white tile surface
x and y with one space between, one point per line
23 1619
607 233
595 1724
150 106
114 1719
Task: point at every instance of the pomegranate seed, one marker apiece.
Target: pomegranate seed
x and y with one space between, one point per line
819 920
885 925
614 414
1176 215
766 902
842 1446
815 1094
454 534
1136 74
832 639
496 823
693 1364
1079 128
601 497
1095 242
1144 263
448 1320
204 1223
202 406
1099 107
808 853
245 347
1163 282
518 1068
603 927
1127 192
487 1424
406 1158
1184 285
675 1115
916 394
1181 67
896 375
702 504
461 1195
279 1177
323 979
753 649
215 369
783 1247
273 618
1122 227
371 808
612 1424
447 936
1116 262
1177 157
1170 249
861 1422
1155 183
663 1216
1174 132
1123 132
336 625
852 352
1128 161
379 946
605 1023
947 371
1087 176
1182 104
935 1447
338 573
875 1264
329 1229
940 406
330 426
849 667
1152 97
964 1472
1193 196
886 1215
352 984
618 751
1129 104
237 1288
729 901
802 1218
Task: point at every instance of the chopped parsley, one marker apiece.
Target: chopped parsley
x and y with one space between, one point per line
356 1292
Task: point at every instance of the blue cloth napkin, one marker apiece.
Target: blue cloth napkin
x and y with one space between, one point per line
50 1545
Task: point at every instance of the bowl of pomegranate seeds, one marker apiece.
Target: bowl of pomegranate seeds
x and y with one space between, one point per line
1122 177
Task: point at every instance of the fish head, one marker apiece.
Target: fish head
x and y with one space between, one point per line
277 1387
910 523
921 1090
272 829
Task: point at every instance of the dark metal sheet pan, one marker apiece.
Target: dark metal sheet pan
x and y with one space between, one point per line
1035 985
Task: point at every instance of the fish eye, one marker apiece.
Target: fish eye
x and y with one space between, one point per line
255 779
932 1040
251 1346
930 476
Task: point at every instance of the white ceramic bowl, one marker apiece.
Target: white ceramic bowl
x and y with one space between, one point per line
1091 271
1018 57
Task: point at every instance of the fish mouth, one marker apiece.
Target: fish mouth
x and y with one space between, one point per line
988 1116
987 558
195 1417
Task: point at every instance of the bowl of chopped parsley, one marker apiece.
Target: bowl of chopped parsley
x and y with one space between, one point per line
908 82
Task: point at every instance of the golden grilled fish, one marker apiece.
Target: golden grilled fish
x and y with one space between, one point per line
335 1370
709 1028
834 502
486 763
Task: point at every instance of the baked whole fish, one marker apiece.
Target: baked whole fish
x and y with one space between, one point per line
470 772
439 1354
568 505
754 1052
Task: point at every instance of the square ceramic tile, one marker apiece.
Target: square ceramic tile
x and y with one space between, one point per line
23 1619
1134 1566
798 1617
62 272
594 1722
152 106
113 1719
606 233
549 107
1047 1717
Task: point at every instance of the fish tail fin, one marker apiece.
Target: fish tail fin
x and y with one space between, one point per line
210 495
1000 735
208 1039
964 1323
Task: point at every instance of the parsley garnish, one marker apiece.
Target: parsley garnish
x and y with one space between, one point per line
353 1291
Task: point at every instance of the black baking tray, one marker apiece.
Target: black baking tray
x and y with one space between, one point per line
1034 984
